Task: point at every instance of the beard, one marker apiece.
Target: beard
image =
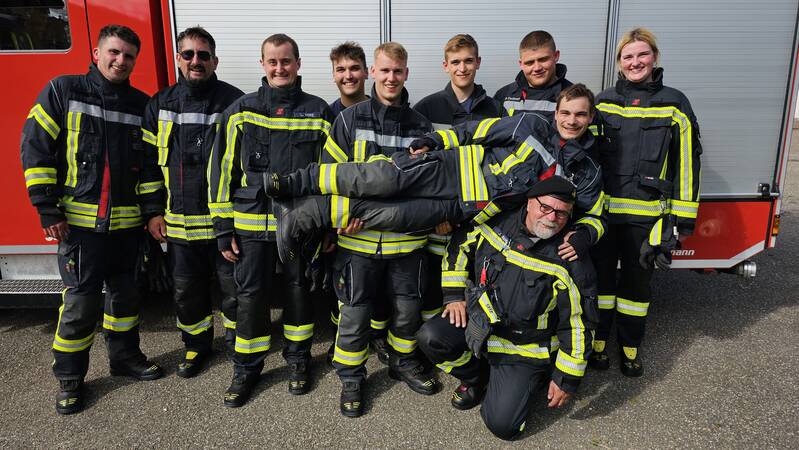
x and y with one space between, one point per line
197 82
545 229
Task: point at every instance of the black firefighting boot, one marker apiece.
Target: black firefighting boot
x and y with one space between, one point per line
467 396
417 378
599 359
240 389
351 403
193 362
138 368
630 362
298 379
380 347
69 399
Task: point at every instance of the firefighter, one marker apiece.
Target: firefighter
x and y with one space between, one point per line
278 128
650 159
540 79
373 266
81 152
179 125
350 73
509 288
460 101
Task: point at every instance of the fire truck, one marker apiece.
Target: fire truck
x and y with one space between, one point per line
736 61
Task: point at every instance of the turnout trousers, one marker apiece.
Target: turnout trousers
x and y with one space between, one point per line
193 269
254 276
86 261
626 297
360 283
512 382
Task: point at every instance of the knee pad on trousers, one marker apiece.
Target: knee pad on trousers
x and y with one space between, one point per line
407 316
500 429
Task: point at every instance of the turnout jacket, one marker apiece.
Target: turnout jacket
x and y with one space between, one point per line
82 151
520 96
270 130
649 153
367 131
526 147
444 111
530 299
180 124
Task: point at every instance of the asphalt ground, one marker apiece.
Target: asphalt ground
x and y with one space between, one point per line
721 360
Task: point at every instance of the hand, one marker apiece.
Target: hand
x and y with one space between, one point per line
58 231
232 255
565 250
456 312
157 228
353 227
421 145
557 397
444 228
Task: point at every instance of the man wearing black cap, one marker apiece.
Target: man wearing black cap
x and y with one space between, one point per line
506 284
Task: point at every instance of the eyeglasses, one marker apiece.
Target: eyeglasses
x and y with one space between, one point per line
561 214
188 55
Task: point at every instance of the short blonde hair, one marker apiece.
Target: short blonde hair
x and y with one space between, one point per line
638 34
458 42
393 50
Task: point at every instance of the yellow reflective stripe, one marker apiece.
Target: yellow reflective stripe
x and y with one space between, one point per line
188 220
69 345
283 123
148 137
650 208
298 333
227 323
374 158
461 259
368 241
334 318
40 175
378 324
335 151
606 301
631 308
73 131
162 140
342 356
656 233
488 212
569 364
594 223
482 128
255 345
497 344
543 319
72 206
119 323
473 185
327 179
79 220
226 164
599 205
359 151
124 223
428 314
149 187
254 222
449 137
399 344
684 209
488 308
593 129
197 328
339 211
447 366
223 210
454 278
564 282
191 234
44 120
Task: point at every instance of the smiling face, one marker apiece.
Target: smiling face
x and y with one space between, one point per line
196 70
349 76
115 59
573 117
280 65
462 66
539 65
546 224
637 61
389 76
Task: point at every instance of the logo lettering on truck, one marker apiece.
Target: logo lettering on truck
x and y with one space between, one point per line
683 252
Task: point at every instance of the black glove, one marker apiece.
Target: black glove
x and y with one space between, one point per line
152 266
478 327
663 258
581 242
647 255
423 142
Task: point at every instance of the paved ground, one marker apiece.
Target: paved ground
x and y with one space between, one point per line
722 356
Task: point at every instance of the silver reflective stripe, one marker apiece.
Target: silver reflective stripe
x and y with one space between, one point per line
441 126
565 362
382 139
189 118
197 328
529 105
541 150
108 116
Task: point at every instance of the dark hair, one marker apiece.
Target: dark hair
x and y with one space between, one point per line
576 91
537 39
280 39
197 32
121 32
349 49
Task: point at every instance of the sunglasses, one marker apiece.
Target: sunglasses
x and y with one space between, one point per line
188 55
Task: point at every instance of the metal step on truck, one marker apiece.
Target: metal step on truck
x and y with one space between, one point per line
736 61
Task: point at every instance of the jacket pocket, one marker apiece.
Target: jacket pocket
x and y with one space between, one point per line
69 263
255 148
655 138
616 156
83 154
305 148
